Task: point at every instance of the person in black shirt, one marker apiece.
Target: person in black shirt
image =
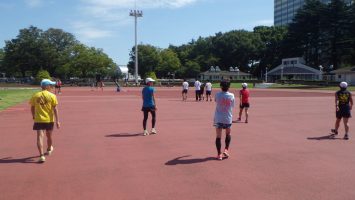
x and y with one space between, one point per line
343 104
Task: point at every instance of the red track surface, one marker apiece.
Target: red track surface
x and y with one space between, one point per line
100 153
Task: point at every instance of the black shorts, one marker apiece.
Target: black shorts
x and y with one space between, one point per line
208 92
244 105
43 126
344 111
222 126
148 109
184 91
57 86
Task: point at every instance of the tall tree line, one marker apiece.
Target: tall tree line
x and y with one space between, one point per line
55 51
324 34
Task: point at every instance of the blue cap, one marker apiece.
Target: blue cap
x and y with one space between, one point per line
46 82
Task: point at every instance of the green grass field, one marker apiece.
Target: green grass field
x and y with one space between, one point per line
10 97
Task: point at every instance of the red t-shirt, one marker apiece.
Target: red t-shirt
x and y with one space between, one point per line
245 95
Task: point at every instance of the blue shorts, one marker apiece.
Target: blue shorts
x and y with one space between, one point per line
222 126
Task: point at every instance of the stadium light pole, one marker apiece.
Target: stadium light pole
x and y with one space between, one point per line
136 14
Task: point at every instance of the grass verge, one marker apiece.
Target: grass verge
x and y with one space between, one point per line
10 97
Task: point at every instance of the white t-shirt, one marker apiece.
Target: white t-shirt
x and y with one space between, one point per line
224 107
185 85
208 86
197 85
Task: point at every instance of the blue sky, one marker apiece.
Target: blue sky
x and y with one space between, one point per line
106 24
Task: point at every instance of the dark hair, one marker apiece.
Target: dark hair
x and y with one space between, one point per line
225 84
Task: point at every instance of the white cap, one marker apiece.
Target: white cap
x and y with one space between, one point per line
343 85
244 85
46 82
147 80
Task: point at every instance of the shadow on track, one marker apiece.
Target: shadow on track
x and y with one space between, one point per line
125 135
8 160
180 161
326 137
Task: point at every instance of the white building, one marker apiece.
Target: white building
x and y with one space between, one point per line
216 74
294 69
345 74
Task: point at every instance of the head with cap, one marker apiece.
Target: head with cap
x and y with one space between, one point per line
149 81
225 84
244 85
46 83
343 85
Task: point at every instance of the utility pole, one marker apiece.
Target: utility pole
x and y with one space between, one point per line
136 14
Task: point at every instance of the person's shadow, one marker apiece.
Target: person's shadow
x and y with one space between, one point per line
9 160
326 137
125 135
180 161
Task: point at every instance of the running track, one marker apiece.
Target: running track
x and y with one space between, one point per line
283 153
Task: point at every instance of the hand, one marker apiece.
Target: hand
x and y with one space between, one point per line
58 124
156 108
351 107
337 108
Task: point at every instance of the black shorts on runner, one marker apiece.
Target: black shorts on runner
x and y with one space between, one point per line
244 105
43 126
222 126
148 109
57 86
208 92
344 111
184 91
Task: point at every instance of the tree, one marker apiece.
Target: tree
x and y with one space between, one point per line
24 53
191 69
56 46
305 35
86 62
169 63
148 59
336 24
271 50
2 54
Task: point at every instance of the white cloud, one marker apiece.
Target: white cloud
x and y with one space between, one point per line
34 3
125 4
113 13
87 31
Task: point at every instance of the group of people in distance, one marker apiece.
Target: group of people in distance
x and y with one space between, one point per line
199 90
45 113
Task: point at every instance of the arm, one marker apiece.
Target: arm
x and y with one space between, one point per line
240 98
155 103
33 112
351 102
336 102
56 116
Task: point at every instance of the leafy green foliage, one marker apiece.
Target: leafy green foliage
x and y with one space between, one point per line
42 74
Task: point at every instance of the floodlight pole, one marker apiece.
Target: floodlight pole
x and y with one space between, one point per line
136 14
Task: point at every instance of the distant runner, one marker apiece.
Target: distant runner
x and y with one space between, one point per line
244 102
185 89
149 105
343 105
208 90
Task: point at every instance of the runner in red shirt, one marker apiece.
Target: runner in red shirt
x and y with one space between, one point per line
244 102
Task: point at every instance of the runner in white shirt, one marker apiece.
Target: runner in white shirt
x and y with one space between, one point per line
185 88
208 90
197 90
223 117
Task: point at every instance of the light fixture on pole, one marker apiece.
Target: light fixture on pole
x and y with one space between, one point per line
136 14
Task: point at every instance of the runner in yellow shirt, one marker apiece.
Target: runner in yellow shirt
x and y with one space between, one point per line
44 112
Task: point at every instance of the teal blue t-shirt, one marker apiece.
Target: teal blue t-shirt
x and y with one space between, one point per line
147 93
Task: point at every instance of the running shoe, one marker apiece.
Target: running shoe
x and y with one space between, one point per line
145 133
246 121
42 159
220 157
346 137
226 153
154 131
50 150
335 132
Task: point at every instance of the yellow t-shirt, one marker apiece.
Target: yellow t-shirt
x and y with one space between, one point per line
44 103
